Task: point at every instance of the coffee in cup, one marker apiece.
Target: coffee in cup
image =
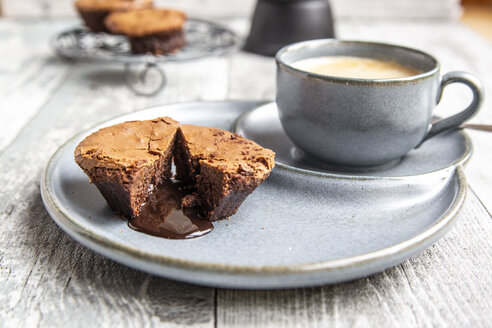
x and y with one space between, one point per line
355 67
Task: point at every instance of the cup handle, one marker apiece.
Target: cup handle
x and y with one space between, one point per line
456 120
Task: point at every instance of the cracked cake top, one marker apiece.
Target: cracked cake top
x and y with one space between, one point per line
228 151
129 144
139 23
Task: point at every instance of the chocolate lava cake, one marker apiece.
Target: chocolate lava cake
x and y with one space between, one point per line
126 161
155 31
216 169
221 167
93 12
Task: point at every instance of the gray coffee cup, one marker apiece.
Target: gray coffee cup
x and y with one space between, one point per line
364 122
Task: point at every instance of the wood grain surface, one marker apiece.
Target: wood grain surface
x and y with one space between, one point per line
49 280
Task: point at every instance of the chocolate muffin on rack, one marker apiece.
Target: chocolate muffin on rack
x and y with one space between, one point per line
155 31
93 12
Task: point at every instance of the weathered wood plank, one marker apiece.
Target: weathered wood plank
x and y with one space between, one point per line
29 73
448 285
252 77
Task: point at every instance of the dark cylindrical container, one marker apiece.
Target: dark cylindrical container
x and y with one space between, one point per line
277 23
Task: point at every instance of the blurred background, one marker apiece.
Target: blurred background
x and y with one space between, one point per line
476 13
241 8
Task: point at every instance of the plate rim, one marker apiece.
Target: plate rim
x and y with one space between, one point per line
462 161
89 239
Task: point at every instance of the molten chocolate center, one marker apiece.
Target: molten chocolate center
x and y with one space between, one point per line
163 216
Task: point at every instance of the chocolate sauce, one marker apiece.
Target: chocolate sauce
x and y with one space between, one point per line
162 216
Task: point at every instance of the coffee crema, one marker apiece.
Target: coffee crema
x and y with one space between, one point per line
355 67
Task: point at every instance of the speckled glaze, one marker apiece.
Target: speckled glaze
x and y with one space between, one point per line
299 228
362 122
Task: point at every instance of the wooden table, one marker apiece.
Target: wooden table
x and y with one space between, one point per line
49 280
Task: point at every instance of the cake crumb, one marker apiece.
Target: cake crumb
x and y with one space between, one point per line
190 200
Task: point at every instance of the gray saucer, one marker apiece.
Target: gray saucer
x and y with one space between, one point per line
436 154
297 228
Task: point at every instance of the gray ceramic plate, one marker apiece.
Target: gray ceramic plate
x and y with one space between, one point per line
299 228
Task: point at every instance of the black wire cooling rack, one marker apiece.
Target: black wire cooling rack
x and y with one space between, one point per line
203 39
